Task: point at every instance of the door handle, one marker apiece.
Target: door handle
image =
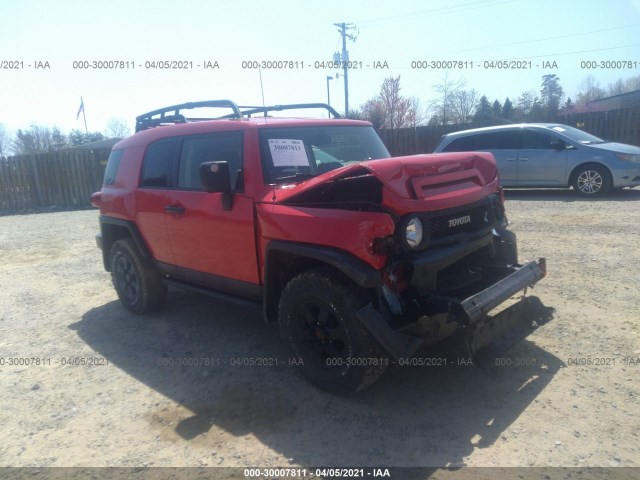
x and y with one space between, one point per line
523 159
175 209
511 159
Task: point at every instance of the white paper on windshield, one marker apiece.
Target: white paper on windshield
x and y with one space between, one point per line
558 129
288 153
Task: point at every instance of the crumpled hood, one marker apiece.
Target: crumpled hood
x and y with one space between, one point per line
412 177
408 176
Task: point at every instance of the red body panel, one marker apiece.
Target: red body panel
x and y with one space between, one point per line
227 250
232 243
353 232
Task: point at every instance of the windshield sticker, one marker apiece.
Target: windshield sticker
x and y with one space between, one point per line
288 153
558 129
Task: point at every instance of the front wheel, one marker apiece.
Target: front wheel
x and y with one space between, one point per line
318 318
592 181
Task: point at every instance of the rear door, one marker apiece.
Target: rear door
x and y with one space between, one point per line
153 195
212 246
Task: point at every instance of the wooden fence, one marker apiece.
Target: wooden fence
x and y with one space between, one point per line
615 125
66 178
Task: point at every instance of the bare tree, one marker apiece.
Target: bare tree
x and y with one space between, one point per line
463 105
442 106
5 141
421 112
38 139
117 128
397 109
588 91
616 88
374 112
632 83
388 109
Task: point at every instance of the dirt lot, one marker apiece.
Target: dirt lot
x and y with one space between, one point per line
136 408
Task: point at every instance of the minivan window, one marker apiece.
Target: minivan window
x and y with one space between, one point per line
532 139
577 135
504 140
464 144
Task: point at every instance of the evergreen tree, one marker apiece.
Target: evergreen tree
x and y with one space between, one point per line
507 109
483 112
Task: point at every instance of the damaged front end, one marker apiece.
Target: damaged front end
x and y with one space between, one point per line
433 318
466 286
448 265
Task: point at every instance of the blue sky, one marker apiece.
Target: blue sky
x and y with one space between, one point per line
230 32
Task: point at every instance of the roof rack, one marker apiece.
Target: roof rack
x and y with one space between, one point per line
147 120
172 114
293 106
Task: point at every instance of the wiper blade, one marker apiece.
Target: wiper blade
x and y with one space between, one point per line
297 176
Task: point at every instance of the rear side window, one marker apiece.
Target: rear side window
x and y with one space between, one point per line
113 163
464 144
224 146
507 140
156 169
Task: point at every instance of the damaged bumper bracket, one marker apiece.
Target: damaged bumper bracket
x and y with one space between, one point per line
484 336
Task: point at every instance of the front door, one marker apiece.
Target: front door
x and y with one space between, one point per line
211 245
540 164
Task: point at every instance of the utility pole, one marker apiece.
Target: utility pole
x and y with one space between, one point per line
344 58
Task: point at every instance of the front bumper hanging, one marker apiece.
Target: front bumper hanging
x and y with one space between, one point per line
484 336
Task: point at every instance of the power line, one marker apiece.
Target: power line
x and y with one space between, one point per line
435 11
573 53
544 39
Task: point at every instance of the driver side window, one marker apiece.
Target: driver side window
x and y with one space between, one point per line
532 140
225 146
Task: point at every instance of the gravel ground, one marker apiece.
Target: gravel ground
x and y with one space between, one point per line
107 389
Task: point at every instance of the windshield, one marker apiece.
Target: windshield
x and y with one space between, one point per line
299 153
576 135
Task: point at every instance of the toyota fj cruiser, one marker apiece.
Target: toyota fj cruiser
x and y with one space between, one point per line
360 257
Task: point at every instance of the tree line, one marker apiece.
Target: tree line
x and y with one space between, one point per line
453 103
44 139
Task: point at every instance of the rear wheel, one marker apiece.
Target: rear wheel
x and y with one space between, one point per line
318 318
592 181
138 283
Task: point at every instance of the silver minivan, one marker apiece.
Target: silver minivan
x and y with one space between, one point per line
551 155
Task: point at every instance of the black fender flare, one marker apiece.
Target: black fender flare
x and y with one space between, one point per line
108 238
356 270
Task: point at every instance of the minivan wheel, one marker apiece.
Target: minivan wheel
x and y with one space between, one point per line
330 346
592 181
139 285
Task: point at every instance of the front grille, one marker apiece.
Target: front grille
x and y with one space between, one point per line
467 220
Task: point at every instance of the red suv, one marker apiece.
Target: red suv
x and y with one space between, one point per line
361 258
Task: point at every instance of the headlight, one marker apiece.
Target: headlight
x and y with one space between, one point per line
628 158
414 232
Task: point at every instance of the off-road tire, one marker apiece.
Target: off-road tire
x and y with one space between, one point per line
592 180
317 315
138 283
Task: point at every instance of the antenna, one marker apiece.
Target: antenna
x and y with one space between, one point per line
262 90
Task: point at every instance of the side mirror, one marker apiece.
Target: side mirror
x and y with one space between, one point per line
559 145
215 178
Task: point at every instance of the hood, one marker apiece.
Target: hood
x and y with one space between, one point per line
413 177
614 147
